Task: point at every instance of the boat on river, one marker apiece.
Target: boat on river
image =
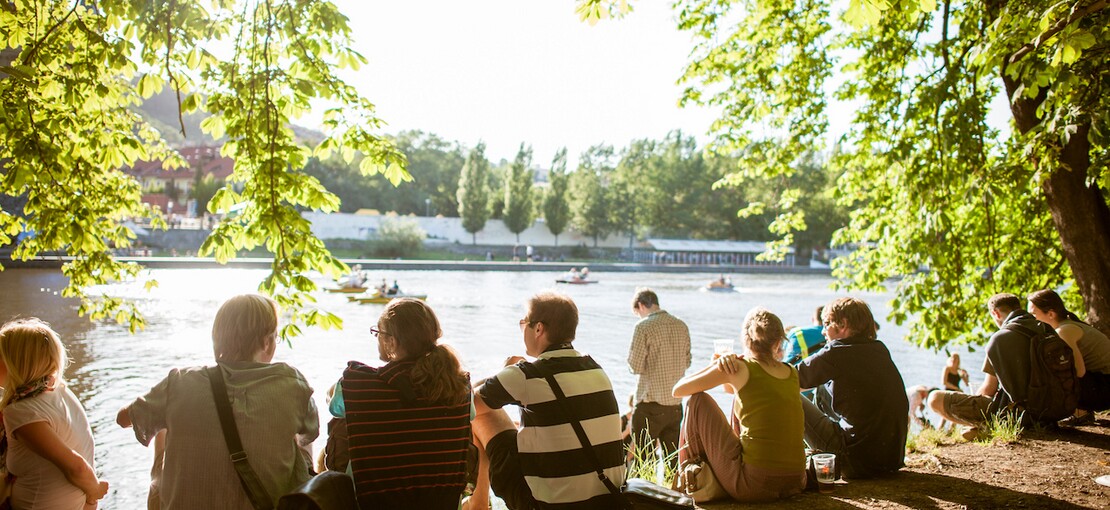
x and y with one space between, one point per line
721 284
346 290
381 299
573 281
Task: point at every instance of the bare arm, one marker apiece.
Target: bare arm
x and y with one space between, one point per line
989 386
44 442
709 377
1071 334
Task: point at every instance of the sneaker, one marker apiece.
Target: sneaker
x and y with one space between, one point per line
970 433
1075 421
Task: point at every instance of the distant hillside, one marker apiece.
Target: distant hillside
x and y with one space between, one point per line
161 112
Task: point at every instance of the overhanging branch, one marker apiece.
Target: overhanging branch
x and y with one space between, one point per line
1076 15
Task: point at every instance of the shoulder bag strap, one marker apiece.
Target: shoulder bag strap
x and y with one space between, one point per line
586 446
256 493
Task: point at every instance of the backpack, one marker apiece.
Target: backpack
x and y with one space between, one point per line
1053 391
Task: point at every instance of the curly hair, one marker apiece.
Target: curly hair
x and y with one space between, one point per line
763 334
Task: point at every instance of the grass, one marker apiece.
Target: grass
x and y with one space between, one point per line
1001 428
646 464
928 439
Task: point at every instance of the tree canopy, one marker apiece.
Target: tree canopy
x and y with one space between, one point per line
474 191
556 210
518 213
939 197
71 73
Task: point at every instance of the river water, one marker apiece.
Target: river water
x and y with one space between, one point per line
478 311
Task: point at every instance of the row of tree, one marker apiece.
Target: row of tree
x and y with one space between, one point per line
661 188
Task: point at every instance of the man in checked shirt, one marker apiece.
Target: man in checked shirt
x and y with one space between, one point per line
660 355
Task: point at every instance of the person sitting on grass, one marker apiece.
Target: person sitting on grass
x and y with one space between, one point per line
1091 349
765 461
861 408
1006 367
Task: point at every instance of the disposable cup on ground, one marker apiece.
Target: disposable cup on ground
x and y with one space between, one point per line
824 464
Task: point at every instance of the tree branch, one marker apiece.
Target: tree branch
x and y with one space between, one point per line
1075 15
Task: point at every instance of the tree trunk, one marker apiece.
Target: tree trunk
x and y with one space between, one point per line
556 240
1079 211
1082 219
473 238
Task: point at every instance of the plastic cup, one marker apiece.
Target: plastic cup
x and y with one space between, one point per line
824 464
722 346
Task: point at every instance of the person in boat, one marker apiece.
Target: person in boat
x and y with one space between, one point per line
383 289
356 279
583 275
572 275
394 290
721 283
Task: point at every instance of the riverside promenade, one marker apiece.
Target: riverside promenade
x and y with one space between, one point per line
436 265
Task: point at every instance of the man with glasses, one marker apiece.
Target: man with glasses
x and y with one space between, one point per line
543 464
659 355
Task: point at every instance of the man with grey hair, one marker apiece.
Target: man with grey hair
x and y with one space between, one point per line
660 355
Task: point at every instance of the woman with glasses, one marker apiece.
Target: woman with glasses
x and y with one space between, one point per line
408 422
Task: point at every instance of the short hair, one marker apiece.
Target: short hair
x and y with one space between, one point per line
32 351
853 314
646 297
817 314
763 333
1004 302
557 312
244 324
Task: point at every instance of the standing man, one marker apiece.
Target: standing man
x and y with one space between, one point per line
1006 367
660 355
544 465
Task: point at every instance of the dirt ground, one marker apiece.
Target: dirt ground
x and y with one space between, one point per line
1052 469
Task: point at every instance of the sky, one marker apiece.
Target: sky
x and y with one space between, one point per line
506 72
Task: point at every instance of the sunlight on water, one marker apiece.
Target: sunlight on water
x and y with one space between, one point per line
478 312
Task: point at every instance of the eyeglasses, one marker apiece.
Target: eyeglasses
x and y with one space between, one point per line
526 323
378 333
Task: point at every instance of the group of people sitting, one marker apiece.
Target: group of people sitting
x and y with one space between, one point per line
405 430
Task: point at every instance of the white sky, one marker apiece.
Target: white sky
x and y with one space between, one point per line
512 71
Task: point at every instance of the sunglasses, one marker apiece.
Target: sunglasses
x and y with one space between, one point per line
378 333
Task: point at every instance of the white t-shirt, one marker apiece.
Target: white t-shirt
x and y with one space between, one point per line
39 484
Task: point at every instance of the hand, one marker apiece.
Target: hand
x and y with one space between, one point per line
729 363
91 499
512 360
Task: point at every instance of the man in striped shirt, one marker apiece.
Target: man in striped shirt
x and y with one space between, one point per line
544 465
660 355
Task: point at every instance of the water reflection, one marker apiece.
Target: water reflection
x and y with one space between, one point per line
478 311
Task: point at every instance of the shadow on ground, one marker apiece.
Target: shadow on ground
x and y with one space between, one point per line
909 489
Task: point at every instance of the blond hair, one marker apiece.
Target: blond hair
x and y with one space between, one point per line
244 325
32 351
763 334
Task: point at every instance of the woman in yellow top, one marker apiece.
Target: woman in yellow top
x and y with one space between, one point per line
766 460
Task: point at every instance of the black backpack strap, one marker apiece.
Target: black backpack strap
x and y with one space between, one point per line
560 398
256 493
1018 328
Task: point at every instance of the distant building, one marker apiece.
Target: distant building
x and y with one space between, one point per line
169 189
707 253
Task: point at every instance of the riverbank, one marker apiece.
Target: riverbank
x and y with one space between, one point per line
596 268
1042 470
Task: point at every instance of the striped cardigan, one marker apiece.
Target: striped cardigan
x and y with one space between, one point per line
406 452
